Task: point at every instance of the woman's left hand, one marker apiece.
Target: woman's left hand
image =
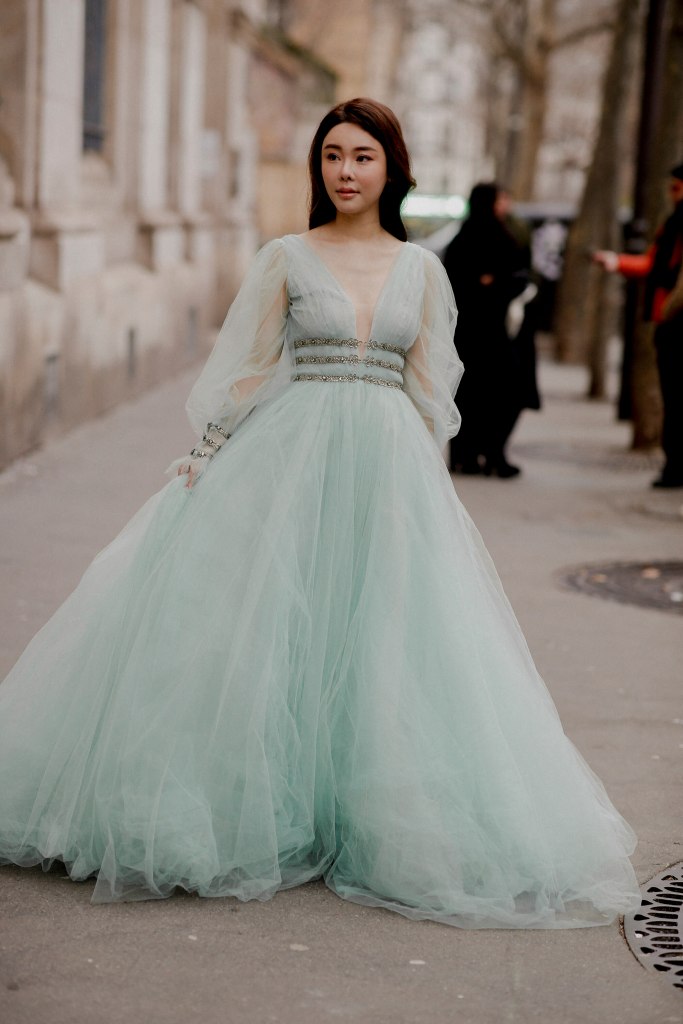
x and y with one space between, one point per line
190 471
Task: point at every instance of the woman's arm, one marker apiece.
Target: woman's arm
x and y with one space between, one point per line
243 368
628 264
433 369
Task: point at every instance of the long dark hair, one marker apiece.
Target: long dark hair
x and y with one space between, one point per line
380 122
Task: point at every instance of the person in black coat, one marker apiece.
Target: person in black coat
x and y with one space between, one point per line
487 268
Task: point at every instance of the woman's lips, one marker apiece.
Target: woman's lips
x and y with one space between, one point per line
344 192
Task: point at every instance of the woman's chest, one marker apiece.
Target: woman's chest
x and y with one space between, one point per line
323 306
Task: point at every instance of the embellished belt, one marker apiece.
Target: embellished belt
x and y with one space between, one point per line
384 361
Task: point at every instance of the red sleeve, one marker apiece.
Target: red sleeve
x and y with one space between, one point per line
636 266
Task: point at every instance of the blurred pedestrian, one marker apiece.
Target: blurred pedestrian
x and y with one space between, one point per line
662 265
521 320
486 266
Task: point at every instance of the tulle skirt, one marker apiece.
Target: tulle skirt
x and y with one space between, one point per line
305 667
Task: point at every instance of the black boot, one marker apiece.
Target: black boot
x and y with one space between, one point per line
501 468
668 480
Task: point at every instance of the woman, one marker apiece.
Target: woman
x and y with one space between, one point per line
487 268
301 663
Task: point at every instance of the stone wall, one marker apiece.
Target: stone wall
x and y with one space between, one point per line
117 260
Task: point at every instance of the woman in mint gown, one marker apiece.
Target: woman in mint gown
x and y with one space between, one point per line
297 661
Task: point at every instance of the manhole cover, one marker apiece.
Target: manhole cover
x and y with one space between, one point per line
655 931
649 584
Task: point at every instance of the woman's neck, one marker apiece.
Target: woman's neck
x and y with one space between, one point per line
360 228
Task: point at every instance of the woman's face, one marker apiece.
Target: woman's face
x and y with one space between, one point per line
502 205
354 169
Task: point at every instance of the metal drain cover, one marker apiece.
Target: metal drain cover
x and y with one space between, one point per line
649 584
655 931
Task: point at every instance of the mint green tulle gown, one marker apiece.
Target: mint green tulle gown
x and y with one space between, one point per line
306 666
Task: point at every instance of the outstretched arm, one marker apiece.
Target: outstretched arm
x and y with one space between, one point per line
628 264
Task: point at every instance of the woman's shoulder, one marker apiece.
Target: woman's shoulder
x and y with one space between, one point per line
273 245
427 255
290 245
269 262
270 254
303 237
430 261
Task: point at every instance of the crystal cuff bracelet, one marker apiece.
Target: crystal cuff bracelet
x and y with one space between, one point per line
210 445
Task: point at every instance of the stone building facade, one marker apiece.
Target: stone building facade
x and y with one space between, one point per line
135 158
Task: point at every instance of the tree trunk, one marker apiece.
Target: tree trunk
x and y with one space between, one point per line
646 398
536 45
646 402
584 318
532 117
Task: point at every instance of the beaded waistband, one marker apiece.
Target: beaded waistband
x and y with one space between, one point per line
377 362
349 377
349 343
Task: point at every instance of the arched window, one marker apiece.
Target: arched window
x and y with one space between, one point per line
94 75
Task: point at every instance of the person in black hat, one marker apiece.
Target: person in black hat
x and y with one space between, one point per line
662 265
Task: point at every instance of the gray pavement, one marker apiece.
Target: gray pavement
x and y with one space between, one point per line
306 956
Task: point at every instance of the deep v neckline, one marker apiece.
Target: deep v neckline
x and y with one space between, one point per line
362 345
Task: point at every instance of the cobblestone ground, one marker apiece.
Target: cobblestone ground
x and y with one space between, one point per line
613 669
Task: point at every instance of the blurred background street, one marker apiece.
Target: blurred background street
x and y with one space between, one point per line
148 148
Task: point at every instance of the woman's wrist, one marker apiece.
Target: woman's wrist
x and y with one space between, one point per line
213 440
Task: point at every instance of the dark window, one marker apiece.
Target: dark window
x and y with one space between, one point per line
93 75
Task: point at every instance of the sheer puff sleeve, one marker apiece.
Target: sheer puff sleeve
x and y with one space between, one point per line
433 368
247 364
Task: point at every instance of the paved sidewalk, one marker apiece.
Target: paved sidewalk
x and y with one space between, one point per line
305 957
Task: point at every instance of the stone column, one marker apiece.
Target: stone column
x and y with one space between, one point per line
154 39
242 146
187 131
160 237
192 56
66 242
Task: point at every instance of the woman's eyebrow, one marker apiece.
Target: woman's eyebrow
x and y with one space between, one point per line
356 149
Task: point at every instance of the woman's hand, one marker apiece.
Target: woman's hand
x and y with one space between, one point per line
187 469
607 259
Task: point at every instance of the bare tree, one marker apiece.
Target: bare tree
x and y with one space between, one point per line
523 36
584 318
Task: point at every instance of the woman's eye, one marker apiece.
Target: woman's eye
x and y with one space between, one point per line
363 158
